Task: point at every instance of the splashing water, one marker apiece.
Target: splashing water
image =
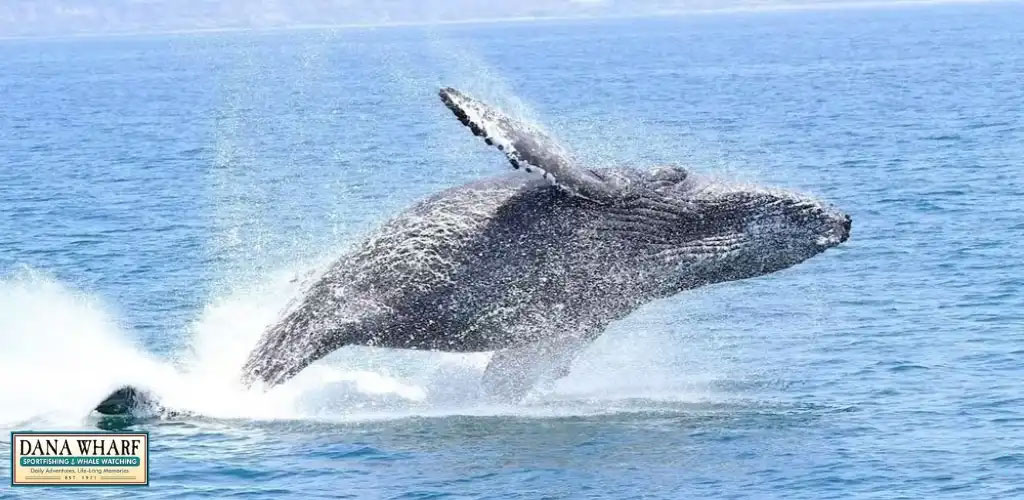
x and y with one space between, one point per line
62 353
65 352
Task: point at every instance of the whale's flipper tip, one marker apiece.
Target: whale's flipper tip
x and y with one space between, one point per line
126 401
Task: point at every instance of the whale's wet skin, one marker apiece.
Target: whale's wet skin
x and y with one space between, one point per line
538 266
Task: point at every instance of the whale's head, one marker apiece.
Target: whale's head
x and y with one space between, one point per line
690 230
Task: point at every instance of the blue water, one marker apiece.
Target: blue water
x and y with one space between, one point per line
161 195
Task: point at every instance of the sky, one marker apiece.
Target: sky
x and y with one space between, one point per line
28 18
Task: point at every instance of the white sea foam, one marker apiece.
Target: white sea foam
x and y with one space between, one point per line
63 351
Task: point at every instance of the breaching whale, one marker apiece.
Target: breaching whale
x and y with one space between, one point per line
536 266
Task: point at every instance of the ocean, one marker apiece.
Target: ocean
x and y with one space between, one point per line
162 195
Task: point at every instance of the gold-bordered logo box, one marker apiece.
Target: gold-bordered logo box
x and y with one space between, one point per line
79 458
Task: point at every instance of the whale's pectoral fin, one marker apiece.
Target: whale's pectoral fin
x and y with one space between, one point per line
528 147
512 372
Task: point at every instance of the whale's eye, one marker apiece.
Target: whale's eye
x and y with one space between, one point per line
668 173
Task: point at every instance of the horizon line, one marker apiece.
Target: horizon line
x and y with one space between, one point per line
782 7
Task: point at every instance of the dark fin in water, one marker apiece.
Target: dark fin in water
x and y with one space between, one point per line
528 147
128 400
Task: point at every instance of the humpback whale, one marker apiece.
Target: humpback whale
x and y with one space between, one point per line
535 266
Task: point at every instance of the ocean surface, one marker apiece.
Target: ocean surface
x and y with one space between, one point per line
161 196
